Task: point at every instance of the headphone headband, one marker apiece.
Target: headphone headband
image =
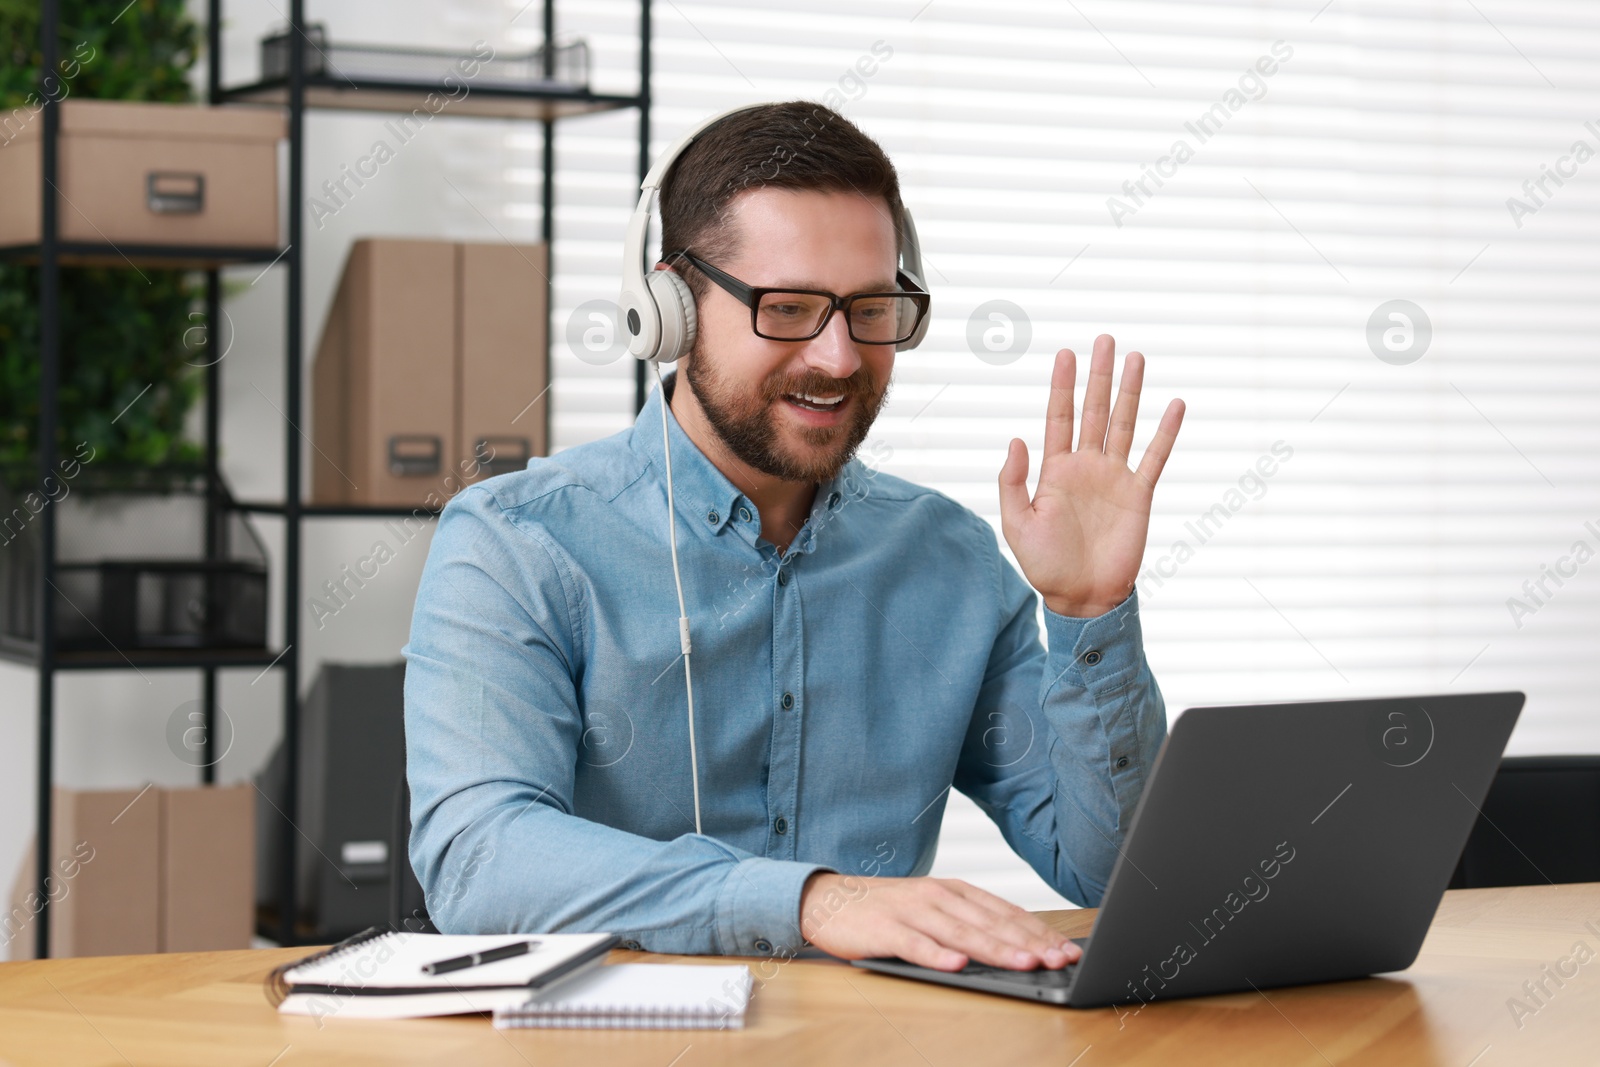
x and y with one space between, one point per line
657 307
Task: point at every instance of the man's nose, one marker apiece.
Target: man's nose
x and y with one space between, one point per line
832 351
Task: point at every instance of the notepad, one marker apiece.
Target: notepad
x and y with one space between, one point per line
378 974
640 996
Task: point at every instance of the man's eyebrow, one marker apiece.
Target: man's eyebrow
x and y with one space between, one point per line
877 286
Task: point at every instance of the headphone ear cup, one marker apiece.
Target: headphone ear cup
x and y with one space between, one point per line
679 323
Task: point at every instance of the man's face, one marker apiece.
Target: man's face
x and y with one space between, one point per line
750 388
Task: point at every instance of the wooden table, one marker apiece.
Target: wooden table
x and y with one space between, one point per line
1452 1008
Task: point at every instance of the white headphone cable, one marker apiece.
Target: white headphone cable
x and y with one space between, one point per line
683 615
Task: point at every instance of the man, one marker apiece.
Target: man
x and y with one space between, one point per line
860 643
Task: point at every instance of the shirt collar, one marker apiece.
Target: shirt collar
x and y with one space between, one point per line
704 496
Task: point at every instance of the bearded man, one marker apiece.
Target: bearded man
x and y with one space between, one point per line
860 643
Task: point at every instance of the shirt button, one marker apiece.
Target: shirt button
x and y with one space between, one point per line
788 702
744 514
1092 657
783 577
833 500
781 825
633 945
763 945
713 518
1122 761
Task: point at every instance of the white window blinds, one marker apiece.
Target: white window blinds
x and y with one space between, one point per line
1356 237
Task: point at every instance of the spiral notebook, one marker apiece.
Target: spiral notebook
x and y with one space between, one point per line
640 996
378 974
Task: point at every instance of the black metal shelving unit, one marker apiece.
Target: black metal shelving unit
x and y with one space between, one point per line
298 92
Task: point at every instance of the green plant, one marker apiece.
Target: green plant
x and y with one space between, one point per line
121 329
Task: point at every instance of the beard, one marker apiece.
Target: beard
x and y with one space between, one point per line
749 428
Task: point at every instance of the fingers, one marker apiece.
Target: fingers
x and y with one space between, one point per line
1014 484
1097 397
914 946
1119 439
964 918
1058 413
974 935
935 922
1160 447
1035 926
1040 937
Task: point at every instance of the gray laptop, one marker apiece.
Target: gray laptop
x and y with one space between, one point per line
1278 844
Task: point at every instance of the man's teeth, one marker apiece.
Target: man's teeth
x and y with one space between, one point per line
818 401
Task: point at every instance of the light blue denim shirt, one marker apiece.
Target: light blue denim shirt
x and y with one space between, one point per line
841 689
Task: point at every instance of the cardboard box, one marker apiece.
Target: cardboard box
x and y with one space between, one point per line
105 877
431 371
208 853
502 363
383 383
142 870
136 173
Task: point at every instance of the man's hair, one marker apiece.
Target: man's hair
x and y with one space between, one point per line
797 145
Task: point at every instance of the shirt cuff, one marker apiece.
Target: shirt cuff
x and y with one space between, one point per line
1090 653
758 909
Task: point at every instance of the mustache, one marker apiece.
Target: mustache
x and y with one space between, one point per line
857 385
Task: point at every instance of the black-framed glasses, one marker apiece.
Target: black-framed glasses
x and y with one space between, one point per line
801 314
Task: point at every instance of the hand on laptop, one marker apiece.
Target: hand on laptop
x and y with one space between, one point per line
936 922
1080 539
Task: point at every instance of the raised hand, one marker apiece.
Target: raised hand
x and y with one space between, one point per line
1080 540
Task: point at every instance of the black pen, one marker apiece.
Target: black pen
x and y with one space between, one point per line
504 952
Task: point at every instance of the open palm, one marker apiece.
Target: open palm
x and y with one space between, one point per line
1080 540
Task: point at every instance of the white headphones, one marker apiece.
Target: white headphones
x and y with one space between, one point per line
656 307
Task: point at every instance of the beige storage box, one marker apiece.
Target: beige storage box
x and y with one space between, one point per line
104 877
136 871
208 868
500 367
432 359
150 174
